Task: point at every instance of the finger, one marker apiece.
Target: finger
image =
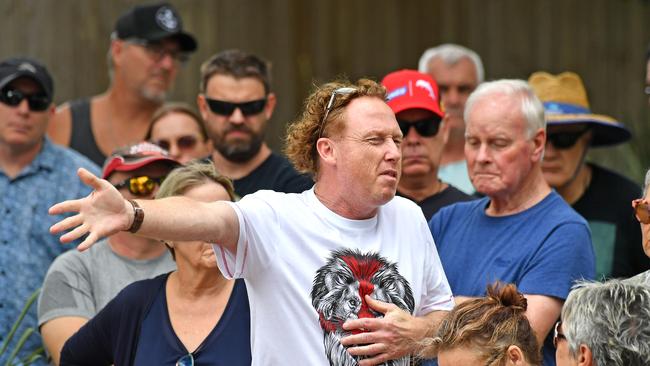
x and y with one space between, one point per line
380 306
88 242
74 234
90 179
355 339
367 349
377 360
66 224
363 324
65 206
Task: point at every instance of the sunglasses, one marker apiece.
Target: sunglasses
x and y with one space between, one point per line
13 97
557 334
330 104
426 127
157 51
140 186
641 211
187 360
186 142
564 140
224 108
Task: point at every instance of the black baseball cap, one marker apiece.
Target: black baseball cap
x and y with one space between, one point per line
17 67
152 23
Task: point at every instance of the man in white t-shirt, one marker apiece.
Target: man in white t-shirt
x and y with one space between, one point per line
342 274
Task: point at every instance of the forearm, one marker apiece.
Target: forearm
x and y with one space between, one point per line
57 331
184 219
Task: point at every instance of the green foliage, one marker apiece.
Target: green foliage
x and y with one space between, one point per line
35 354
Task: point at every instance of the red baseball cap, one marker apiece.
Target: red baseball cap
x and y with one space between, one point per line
135 157
410 89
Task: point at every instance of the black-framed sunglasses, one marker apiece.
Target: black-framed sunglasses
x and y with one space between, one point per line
140 186
223 108
12 97
426 127
157 51
557 333
187 360
330 105
186 142
564 140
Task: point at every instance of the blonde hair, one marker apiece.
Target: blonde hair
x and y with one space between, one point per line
303 133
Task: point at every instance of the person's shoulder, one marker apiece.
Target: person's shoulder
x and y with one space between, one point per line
141 290
607 179
74 259
68 159
554 209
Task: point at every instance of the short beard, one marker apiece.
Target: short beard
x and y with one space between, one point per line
154 97
240 152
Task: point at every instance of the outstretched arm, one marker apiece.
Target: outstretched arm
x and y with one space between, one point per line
395 335
105 212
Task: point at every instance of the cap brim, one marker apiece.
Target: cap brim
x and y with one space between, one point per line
117 164
414 104
19 74
185 40
606 130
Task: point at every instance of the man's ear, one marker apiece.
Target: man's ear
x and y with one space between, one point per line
271 101
585 358
326 150
539 143
444 129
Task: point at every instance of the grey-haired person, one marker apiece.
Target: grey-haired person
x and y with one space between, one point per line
147 48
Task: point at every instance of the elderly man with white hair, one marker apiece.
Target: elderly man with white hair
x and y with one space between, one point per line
521 232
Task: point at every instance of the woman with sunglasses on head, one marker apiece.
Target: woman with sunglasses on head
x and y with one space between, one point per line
78 285
177 128
491 331
191 316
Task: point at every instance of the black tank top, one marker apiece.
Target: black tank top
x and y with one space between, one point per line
82 138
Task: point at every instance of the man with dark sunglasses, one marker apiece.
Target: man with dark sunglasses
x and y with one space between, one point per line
33 173
236 103
147 49
414 98
78 285
600 195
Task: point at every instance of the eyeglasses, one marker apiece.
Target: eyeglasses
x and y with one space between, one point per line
641 210
328 108
426 127
157 51
13 97
564 140
224 108
140 186
186 142
557 334
187 360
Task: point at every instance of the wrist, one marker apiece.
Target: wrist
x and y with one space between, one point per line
136 216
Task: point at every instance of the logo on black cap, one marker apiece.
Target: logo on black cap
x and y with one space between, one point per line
26 66
166 18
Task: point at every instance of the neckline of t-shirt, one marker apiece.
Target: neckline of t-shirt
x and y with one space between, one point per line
336 219
529 211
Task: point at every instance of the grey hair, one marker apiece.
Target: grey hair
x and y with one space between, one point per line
450 54
612 319
530 106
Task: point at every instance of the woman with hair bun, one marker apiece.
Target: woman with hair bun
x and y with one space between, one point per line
492 331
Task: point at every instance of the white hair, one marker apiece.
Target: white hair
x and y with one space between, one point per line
530 106
612 319
450 54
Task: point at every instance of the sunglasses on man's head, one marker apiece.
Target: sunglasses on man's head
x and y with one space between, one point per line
12 97
564 140
641 210
557 333
224 108
140 186
186 142
426 127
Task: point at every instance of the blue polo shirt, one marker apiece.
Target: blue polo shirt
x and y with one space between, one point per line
26 246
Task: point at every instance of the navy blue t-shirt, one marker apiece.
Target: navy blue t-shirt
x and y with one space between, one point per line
543 250
227 344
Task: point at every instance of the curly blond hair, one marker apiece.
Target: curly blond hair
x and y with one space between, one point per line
303 133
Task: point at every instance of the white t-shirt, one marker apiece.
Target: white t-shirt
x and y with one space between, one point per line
307 269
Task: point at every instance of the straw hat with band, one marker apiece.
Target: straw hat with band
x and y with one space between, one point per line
565 102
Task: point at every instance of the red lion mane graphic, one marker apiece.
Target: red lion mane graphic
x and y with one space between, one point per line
339 291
